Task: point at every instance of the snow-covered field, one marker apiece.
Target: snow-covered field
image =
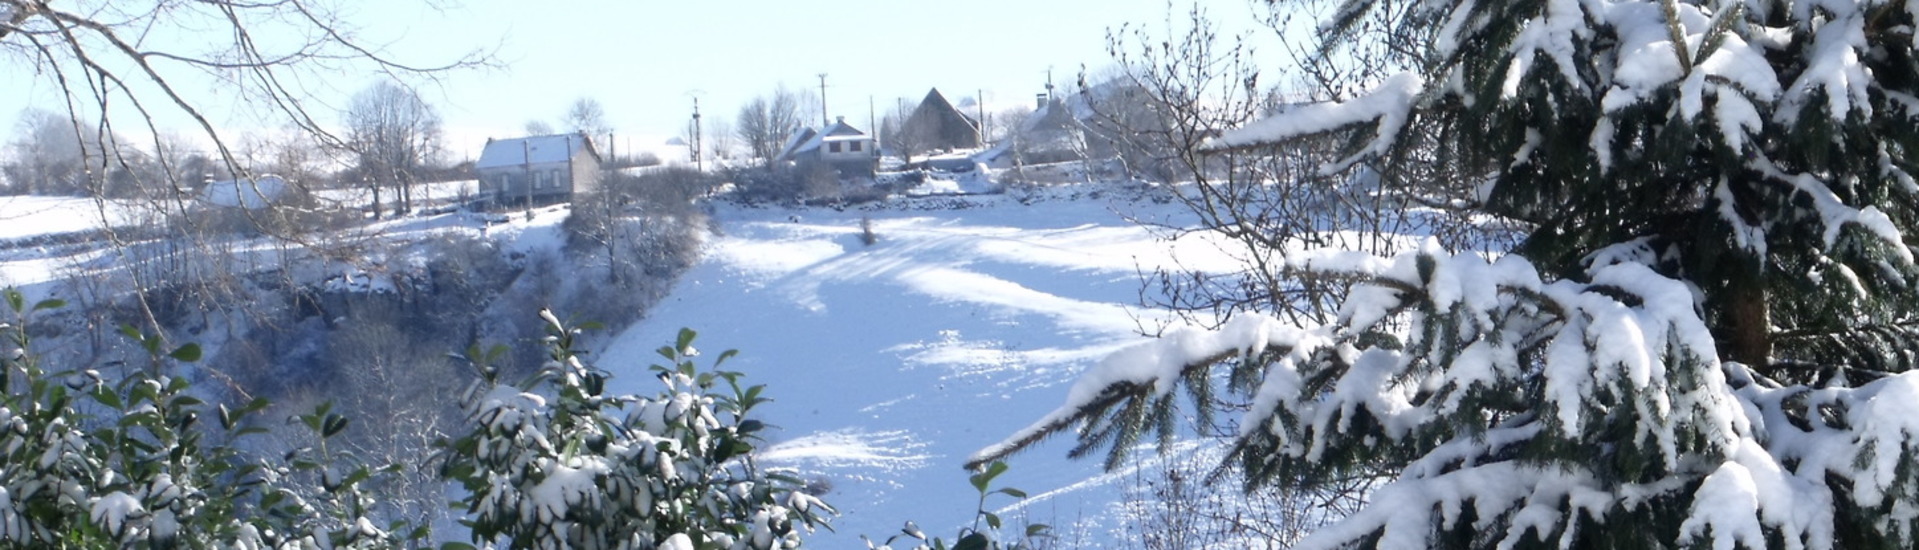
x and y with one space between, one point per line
889 364
23 216
425 195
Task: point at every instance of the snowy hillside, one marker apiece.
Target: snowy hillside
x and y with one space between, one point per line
890 363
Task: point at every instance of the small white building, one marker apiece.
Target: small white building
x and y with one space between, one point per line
538 169
839 145
248 194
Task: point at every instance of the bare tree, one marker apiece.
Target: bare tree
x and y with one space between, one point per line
393 134
766 122
126 63
722 142
105 57
48 154
587 116
899 135
537 127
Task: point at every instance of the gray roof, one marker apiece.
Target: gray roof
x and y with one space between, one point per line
808 139
533 150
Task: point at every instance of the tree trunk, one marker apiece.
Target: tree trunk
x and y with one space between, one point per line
1748 321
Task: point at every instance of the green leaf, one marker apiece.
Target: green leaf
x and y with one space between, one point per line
354 478
1009 491
50 303
16 300
686 338
334 424
256 405
983 479
187 353
109 398
1037 529
974 541
992 519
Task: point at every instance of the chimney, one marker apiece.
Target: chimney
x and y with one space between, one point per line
1039 101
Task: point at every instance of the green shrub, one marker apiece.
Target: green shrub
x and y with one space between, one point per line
554 461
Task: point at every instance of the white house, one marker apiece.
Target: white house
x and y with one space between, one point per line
839 145
538 169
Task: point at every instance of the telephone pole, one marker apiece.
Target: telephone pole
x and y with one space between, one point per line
823 120
698 164
979 100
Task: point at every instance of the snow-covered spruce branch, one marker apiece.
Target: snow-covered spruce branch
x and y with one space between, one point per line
1512 410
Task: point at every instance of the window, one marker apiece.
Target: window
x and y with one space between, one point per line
833 147
855 146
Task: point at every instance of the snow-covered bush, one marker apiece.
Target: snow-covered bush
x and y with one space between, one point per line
91 462
554 461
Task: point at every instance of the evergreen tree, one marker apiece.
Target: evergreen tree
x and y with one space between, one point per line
1705 339
556 461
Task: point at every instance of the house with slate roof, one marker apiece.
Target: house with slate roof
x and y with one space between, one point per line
936 125
838 145
538 169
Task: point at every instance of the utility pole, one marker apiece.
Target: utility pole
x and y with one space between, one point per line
979 100
823 120
526 169
698 164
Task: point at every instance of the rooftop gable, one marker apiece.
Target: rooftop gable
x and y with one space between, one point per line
501 153
808 139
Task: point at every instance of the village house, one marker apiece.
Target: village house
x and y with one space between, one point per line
936 125
537 169
839 146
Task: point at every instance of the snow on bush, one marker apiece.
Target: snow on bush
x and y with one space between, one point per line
89 461
555 462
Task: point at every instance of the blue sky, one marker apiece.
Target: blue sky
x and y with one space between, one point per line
646 60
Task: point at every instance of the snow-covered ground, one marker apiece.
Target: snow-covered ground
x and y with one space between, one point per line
27 221
23 216
425 195
889 364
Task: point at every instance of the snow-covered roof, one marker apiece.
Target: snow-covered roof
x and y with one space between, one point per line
793 143
533 150
1053 115
841 128
248 194
808 139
